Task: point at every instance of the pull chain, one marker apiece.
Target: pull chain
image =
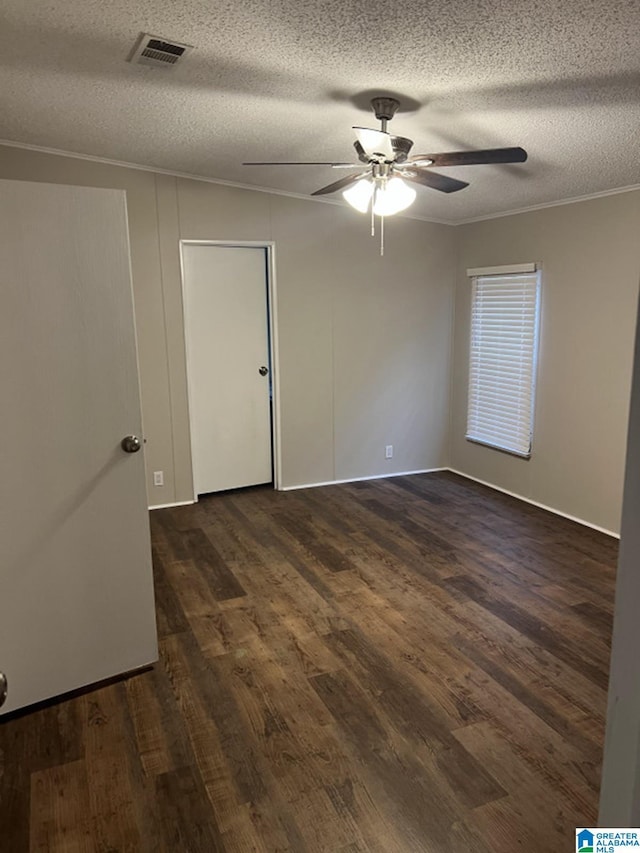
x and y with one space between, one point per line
381 236
373 217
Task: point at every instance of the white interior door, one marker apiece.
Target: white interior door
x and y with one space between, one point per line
227 338
76 594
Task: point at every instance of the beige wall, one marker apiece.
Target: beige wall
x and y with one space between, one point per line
364 340
590 272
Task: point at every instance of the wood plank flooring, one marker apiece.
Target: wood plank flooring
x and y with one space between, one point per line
402 665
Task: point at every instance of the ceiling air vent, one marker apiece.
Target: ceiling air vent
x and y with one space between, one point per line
157 52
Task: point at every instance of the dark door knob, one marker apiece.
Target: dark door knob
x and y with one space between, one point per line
263 370
131 444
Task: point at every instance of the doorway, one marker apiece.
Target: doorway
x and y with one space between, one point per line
230 342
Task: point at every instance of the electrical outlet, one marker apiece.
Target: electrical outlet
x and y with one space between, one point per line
388 451
158 478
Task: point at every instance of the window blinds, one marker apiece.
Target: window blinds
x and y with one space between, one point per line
504 339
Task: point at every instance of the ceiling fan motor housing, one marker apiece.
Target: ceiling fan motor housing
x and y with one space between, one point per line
401 146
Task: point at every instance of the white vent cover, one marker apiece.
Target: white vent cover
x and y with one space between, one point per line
157 51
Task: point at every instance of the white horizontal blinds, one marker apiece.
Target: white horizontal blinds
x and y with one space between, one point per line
504 337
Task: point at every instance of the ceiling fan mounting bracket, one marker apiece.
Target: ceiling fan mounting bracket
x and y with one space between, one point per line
384 108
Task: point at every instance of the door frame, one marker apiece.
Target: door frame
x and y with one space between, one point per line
270 272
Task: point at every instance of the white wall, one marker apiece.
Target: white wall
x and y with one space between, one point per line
364 340
590 271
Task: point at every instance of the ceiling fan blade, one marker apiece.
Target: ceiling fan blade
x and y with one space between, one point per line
301 163
473 158
432 179
375 142
339 185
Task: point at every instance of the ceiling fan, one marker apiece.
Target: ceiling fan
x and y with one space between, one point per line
381 186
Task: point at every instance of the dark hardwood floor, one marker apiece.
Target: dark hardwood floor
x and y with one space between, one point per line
402 665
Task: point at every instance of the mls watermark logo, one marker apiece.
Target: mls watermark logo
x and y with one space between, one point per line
584 841
606 840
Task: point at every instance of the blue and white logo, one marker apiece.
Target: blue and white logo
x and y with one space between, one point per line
584 841
600 840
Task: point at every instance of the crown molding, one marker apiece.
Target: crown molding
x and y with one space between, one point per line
10 143
546 204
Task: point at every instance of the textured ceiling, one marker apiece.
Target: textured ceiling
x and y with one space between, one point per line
286 79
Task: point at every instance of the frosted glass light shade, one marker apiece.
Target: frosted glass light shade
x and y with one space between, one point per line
393 197
359 195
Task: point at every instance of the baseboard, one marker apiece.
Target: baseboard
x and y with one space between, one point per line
168 506
536 503
361 479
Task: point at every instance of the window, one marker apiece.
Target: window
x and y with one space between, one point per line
505 308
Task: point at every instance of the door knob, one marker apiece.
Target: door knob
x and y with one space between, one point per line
131 444
3 688
263 370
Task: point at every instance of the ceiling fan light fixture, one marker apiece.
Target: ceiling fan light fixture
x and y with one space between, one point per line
392 197
359 195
